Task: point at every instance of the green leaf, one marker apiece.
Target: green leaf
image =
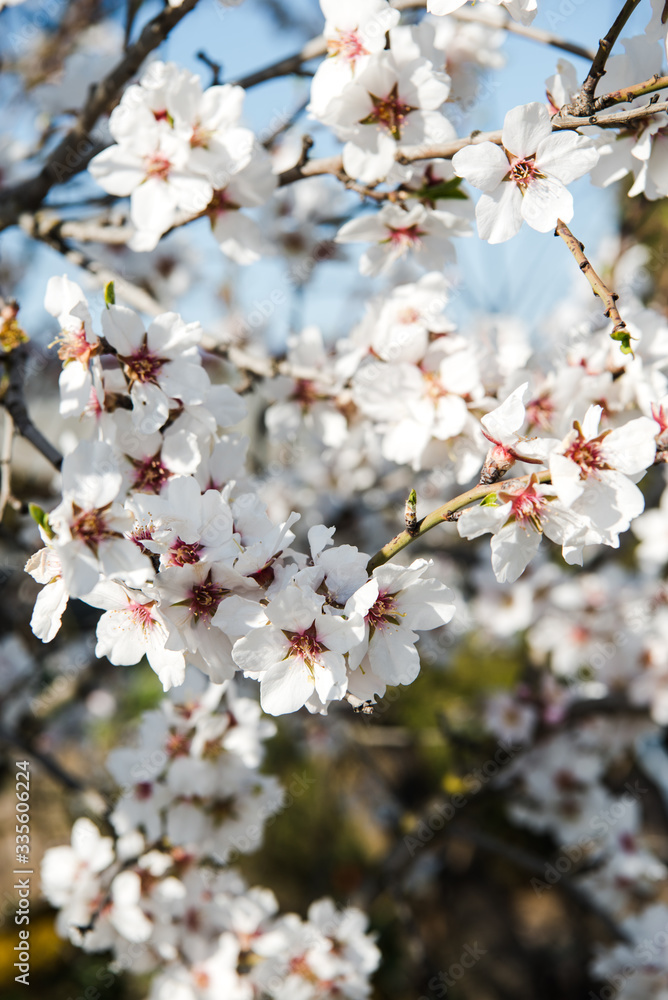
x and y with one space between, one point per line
489 500
42 519
624 338
442 189
109 294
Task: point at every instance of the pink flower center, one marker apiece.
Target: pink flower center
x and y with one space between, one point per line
383 613
201 137
182 553
143 791
90 526
204 600
589 455
433 386
157 165
388 112
177 745
305 645
220 203
305 392
73 345
143 366
409 315
141 614
522 172
150 475
527 505
142 535
348 45
404 236
201 979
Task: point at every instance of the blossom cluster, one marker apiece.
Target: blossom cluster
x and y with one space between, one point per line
158 894
416 391
184 562
180 152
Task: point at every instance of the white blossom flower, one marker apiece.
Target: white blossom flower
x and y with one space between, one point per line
132 627
395 232
525 178
161 363
526 511
354 29
393 101
298 651
90 526
398 600
590 472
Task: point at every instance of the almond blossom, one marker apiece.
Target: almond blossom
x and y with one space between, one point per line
590 472
161 363
524 179
89 525
298 652
396 232
132 627
393 101
399 599
354 29
525 512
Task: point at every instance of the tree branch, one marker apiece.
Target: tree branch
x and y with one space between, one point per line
49 230
48 763
620 331
583 103
447 512
619 120
657 82
74 151
13 400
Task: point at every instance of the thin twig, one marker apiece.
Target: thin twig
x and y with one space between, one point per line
620 331
524 30
13 400
619 120
74 151
583 103
656 82
284 67
44 228
447 512
445 151
478 16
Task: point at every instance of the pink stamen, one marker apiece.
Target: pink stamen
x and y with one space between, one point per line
383 612
348 46
157 165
